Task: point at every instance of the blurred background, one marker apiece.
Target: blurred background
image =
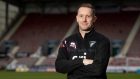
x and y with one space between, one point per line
31 30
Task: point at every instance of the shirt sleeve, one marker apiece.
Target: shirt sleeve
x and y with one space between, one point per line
63 64
101 60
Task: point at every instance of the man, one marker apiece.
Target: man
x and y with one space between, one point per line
84 55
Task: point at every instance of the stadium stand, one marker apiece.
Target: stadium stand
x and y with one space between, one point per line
118 62
49 62
134 48
38 28
26 61
116 25
4 62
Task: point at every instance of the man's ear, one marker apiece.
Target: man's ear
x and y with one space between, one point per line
94 19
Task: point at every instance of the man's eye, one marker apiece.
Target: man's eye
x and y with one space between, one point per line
81 15
88 16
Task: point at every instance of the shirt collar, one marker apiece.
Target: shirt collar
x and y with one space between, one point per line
87 34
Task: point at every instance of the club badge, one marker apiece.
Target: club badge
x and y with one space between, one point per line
91 43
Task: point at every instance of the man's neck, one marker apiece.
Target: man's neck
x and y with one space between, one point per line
83 33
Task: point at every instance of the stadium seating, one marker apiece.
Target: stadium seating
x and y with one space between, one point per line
118 62
4 62
26 61
49 62
38 28
134 50
116 25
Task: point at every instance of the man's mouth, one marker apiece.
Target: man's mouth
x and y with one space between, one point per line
84 23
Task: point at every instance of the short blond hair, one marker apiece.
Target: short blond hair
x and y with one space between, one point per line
88 5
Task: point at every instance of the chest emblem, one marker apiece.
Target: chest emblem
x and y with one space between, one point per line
91 43
73 45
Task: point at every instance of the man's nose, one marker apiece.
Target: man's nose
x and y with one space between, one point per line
84 19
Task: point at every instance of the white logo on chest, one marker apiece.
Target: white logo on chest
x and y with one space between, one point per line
81 57
91 43
73 45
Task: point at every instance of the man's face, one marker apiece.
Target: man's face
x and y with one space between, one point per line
85 18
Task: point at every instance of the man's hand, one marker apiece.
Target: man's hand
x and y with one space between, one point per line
87 61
